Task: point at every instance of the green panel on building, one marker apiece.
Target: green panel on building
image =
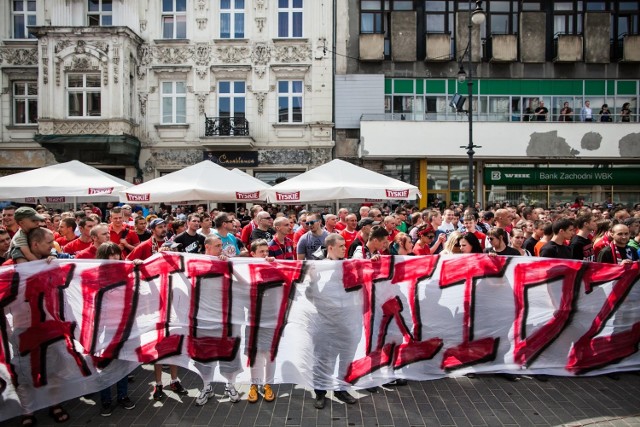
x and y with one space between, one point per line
452 86
496 87
594 87
567 87
627 87
403 86
611 87
560 176
436 86
419 86
529 87
387 86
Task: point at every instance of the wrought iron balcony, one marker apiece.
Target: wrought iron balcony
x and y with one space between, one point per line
226 126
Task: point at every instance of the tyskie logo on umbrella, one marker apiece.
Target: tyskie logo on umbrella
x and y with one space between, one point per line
288 197
247 196
59 199
106 190
138 197
397 194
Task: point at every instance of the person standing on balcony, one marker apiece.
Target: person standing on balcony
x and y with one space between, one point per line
605 114
586 114
625 113
541 112
566 114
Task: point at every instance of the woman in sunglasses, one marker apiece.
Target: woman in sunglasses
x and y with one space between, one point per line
426 234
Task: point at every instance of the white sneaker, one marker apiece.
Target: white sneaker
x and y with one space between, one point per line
204 395
233 394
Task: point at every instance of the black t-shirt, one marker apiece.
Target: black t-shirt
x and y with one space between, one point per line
355 245
146 235
627 252
190 244
530 244
508 250
262 234
553 250
582 249
541 114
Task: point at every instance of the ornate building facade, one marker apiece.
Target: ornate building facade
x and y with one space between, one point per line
145 87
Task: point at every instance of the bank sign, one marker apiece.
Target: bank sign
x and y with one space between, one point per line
561 176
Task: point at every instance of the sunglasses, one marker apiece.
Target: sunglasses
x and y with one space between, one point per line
431 236
310 223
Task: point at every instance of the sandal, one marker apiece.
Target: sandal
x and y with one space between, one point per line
28 421
58 414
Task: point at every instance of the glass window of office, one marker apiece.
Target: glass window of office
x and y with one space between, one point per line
174 19
567 17
83 95
100 13
290 18
25 103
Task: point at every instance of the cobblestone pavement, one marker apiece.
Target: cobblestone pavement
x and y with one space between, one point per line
483 401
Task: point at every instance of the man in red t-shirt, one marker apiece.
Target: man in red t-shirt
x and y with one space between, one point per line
342 219
349 233
84 241
120 233
99 235
153 244
67 230
245 236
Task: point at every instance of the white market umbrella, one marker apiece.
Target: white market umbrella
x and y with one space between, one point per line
202 181
340 180
68 182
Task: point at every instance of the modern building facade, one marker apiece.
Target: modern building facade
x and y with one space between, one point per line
397 64
140 88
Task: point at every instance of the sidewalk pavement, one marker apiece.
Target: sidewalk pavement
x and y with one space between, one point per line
482 401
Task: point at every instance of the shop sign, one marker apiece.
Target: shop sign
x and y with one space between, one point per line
233 159
561 176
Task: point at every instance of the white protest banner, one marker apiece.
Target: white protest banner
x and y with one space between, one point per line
321 324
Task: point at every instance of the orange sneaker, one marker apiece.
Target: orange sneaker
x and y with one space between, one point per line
253 394
269 396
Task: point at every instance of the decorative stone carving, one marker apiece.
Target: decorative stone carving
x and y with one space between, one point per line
308 88
143 25
272 88
201 97
81 63
45 64
62 45
173 55
58 64
142 98
261 54
202 23
145 56
260 70
261 4
5 90
260 97
116 62
80 47
81 127
233 54
202 54
103 46
19 56
201 72
202 4
292 53
260 21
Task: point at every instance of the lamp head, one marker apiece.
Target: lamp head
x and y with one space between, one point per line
462 75
478 16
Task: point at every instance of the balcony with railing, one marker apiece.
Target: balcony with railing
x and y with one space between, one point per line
222 132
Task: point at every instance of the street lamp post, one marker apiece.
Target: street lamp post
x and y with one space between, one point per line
476 17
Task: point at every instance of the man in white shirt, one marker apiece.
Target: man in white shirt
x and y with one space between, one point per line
586 115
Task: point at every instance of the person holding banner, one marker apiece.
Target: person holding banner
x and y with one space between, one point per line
145 250
328 355
40 241
263 369
228 369
376 243
110 250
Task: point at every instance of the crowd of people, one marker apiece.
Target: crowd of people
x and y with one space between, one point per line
579 232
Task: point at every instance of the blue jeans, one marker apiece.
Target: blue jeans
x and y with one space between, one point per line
121 388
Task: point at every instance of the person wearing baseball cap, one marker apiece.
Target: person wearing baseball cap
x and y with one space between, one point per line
364 227
27 219
152 245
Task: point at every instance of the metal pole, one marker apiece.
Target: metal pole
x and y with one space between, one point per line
470 151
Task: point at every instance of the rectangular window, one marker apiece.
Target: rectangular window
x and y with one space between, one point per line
439 16
567 17
83 95
100 13
290 18
23 13
25 103
174 19
290 101
231 107
174 103
231 19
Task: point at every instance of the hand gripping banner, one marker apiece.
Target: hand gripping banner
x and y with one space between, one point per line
73 327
